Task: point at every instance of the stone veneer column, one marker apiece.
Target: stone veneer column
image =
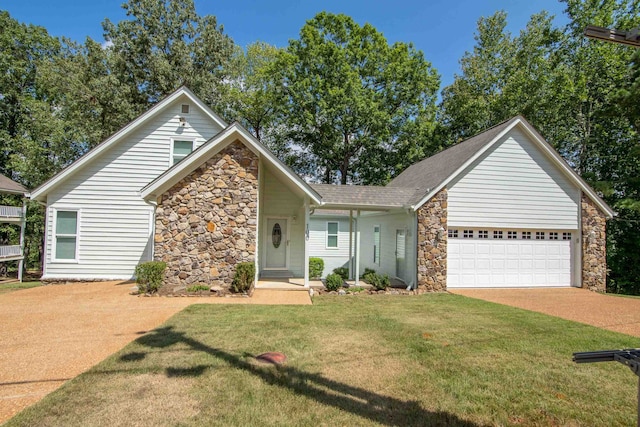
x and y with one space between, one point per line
432 243
594 252
206 223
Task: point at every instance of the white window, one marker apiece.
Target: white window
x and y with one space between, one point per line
539 235
566 236
483 234
526 235
497 234
553 235
467 234
376 244
180 150
453 234
512 234
332 235
66 235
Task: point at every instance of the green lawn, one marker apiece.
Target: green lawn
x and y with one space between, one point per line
353 360
15 286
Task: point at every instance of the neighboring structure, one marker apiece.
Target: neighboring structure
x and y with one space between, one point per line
179 185
13 215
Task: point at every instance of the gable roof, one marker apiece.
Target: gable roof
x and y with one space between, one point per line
365 196
232 133
10 186
40 192
434 173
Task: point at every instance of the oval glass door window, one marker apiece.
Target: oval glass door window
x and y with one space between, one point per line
276 235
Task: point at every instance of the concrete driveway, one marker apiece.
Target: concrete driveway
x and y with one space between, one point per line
50 334
615 313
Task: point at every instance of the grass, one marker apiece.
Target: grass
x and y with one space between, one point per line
367 360
15 286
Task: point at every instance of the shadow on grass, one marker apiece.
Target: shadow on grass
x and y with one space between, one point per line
375 407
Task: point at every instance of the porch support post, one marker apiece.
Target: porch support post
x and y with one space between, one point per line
306 241
357 272
23 225
351 244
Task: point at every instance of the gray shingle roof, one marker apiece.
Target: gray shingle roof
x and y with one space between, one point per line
9 186
430 172
364 195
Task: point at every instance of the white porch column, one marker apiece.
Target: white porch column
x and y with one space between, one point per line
306 242
350 244
23 225
357 255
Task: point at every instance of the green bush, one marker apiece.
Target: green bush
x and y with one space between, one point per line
368 271
244 277
149 276
316 267
342 272
333 282
199 287
378 281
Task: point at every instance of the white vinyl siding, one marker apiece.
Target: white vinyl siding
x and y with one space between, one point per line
333 258
277 200
514 185
332 235
66 235
115 222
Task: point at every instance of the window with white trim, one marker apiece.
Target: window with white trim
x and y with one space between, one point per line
66 239
332 235
539 235
497 234
376 244
526 235
553 235
467 234
483 234
452 233
566 236
180 150
512 234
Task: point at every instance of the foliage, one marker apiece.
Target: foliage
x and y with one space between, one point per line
149 276
316 267
348 92
197 288
342 272
244 278
333 282
368 270
377 280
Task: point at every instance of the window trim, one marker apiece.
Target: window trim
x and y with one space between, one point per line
54 241
181 139
326 241
376 249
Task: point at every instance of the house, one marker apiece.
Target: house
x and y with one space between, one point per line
13 215
180 185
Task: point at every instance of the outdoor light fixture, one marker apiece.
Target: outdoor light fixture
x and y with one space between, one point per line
183 121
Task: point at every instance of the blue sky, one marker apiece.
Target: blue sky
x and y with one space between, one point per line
443 30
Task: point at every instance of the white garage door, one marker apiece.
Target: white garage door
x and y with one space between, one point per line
508 258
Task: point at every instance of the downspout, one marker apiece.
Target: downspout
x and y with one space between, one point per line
414 264
152 227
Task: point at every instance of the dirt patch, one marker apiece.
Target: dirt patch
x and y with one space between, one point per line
614 313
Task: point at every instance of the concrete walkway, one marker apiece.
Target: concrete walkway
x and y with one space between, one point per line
50 334
611 312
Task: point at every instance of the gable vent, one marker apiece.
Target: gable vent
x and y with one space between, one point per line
185 108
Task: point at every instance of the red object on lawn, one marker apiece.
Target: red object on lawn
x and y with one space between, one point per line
273 357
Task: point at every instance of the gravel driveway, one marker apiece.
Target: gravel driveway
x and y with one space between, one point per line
612 312
50 334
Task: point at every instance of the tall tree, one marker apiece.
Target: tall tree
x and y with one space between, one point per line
352 97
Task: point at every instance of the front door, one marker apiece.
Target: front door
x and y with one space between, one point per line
276 241
400 253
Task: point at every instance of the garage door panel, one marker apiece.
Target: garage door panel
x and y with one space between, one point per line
520 262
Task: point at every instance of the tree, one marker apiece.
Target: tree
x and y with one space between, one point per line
352 98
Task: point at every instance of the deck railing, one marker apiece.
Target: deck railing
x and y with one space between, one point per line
10 251
10 212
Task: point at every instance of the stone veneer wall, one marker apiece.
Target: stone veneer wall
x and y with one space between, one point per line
432 243
206 223
594 251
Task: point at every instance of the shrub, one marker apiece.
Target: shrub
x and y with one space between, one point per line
333 282
378 281
368 271
149 276
316 267
244 277
196 288
342 272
